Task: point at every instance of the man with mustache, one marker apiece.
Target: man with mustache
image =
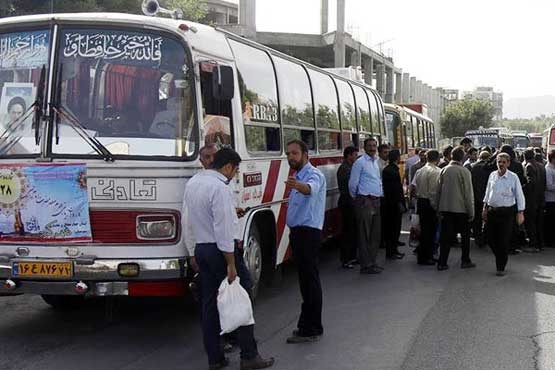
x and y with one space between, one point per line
305 218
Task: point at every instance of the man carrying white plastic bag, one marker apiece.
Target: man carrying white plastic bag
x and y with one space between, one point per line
234 306
212 217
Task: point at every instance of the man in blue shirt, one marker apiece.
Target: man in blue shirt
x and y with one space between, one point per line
365 185
503 195
305 218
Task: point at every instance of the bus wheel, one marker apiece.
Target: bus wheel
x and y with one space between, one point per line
253 258
64 302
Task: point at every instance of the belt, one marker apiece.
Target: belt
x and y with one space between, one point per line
370 197
500 208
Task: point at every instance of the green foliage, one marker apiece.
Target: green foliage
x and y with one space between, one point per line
194 10
464 115
537 124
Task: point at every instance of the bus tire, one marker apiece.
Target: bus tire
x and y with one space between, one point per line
254 258
64 302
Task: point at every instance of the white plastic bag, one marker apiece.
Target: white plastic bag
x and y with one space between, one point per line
234 306
414 236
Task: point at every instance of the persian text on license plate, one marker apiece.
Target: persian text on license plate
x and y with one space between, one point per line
42 269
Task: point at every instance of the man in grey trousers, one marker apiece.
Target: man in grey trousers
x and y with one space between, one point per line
365 186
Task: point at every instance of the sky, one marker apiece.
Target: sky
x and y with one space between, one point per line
445 43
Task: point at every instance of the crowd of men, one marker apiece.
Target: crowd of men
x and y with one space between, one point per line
466 191
499 197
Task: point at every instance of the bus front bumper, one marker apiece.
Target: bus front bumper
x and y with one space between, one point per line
156 277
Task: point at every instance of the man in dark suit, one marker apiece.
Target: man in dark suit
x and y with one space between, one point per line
542 185
348 250
480 177
394 205
531 191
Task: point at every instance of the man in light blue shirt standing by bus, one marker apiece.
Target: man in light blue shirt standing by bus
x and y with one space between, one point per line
365 185
305 218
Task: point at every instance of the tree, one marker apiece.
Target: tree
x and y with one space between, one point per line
464 115
193 10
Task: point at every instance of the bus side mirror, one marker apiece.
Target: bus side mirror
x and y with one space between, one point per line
222 83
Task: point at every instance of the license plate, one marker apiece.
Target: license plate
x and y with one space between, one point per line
42 269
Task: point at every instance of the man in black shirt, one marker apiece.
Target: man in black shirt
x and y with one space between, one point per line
348 237
480 178
394 205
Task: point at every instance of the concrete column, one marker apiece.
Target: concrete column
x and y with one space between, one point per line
398 88
369 71
339 46
426 94
356 58
405 94
247 17
412 87
380 80
389 85
324 12
418 96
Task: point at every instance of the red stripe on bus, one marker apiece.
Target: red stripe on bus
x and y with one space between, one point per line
282 216
273 175
321 161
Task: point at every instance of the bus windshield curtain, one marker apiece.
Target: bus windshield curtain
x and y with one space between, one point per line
131 89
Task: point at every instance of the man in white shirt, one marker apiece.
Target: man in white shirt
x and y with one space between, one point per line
212 218
503 200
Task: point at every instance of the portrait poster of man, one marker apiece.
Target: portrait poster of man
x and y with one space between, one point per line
16 99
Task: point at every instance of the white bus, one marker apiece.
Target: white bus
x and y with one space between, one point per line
132 99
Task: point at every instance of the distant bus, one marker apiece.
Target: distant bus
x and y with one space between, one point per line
521 140
407 129
535 139
483 137
548 142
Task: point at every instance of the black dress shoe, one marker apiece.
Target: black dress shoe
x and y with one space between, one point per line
219 365
257 363
442 267
426 263
394 256
347 266
371 270
467 265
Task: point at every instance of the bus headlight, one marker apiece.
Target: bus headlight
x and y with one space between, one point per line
156 227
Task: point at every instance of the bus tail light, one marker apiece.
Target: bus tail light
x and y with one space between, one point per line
156 227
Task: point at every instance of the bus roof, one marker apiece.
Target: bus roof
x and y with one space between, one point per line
205 39
400 108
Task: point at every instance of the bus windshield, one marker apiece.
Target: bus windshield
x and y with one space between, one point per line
521 142
483 140
24 63
128 90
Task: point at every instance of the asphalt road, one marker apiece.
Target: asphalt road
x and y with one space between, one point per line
408 318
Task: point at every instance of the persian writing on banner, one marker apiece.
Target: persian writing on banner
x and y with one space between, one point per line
44 202
24 50
132 47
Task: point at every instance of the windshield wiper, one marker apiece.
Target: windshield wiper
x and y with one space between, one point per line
81 131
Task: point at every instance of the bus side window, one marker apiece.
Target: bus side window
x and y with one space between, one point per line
347 110
374 115
327 111
259 100
295 99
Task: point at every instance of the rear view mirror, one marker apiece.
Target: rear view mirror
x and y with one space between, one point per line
222 83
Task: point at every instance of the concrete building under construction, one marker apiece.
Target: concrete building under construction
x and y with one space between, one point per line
333 49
